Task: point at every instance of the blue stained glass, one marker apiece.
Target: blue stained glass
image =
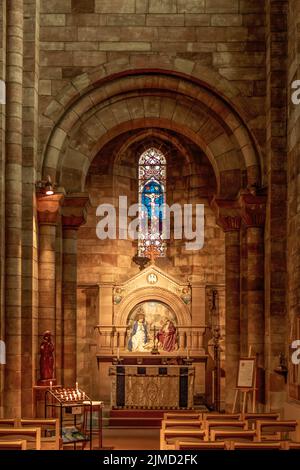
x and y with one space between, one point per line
153 198
152 181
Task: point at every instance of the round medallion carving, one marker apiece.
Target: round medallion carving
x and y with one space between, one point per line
152 278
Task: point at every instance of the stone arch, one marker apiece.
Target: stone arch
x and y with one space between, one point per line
95 113
156 294
155 133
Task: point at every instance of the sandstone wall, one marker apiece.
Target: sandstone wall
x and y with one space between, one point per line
293 225
225 36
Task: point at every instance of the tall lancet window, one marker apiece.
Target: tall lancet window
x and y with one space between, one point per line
152 196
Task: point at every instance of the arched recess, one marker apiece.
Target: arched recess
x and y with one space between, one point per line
156 294
139 100
145 135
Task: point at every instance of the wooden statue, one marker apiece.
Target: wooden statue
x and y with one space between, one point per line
47 357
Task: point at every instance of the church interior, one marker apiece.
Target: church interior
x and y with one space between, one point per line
149 224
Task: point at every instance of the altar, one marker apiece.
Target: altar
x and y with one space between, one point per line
152 387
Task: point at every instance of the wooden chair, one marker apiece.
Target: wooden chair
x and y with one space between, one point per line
210 426
7 423
13 445
252 418
183 416
181 424
255 446
181 445
287 445
31 435
276 430
217 435
48 426
169 437
222 416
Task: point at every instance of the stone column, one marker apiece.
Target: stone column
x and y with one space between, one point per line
48 209
73 216
229 219
13 209
232 301
253 215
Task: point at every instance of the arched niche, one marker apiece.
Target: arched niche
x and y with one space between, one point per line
155 294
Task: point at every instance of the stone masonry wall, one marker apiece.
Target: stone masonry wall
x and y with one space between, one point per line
226 36
293 226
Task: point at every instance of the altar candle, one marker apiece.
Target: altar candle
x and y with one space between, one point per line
76 385
118 353
188 354
50 384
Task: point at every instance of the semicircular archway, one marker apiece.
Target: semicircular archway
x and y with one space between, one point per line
145 100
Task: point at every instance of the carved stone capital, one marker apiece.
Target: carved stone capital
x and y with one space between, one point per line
253 209
227 214
48 208
74 210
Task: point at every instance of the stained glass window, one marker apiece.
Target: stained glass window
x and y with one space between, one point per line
152 193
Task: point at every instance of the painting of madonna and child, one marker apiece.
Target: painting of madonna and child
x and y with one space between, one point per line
152 322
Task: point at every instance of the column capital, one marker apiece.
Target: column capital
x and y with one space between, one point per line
227 214
48 208
74 210
253 208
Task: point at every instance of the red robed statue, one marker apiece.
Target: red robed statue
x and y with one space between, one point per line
167 336
47 357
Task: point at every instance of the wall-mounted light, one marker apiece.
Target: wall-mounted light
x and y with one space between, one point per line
45 186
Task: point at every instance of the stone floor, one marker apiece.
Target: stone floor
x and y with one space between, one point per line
131 439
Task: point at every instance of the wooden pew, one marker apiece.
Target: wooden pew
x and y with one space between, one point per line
31 435
47 425
291 445
217 435
252 418
13 445
222 416
182 424
227 425
168 437
183 416
274 430
181 445
255 446
7 423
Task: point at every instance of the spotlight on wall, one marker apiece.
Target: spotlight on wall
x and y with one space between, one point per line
45 186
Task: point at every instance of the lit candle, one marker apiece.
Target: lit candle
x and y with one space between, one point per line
76 385
50 384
